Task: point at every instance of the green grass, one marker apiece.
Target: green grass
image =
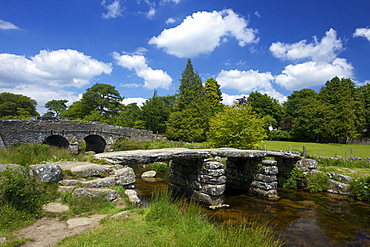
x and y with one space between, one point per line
320 149
169 222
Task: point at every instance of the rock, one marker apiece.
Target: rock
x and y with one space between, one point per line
69 182
149 174
72 223
120 214
267 170
124 176
213 165
206 199
339 188
213 190
48 173
150 180
99 183
3 239
55 207
108 194
62 189
132 196
343 178
3 167
307 163
89 170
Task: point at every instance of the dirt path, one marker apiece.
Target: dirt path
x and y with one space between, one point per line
49 231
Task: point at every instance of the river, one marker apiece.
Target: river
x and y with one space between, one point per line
299 217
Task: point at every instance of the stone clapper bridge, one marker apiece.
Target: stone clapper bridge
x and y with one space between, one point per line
200 175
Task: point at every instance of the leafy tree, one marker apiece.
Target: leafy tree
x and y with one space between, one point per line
55 107
155 112
267 106
103 97
297 100
130 116
347 108
237 127
13 106
214 96
189 120
365 94
76 111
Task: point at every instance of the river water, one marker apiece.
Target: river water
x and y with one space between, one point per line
300 218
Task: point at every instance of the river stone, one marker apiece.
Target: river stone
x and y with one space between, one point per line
125 176
48 173
339 188
68 182
213 190
344 178
132 196
264 186
99 183
206 199
149 174
108 194
89 170
212 180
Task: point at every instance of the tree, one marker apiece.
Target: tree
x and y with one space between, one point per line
267 106
13 106
155 112
76 111
56 107
237 127
347 108
214 95
365 95
297 100
130 116
103 97
190 116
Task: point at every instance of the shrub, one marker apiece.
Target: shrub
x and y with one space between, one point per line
361 188
296 175
317 182
159 166
125 144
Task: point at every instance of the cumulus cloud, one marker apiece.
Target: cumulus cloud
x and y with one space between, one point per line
138 101
249 81
170 20
362 32
202 32
228 99
5 25
114 9
61 68
304 75
152 78
324 50
42 94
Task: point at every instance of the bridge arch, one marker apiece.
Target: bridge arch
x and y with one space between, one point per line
95 143
57 141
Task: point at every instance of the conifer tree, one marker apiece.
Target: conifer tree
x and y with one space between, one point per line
214 95
190 116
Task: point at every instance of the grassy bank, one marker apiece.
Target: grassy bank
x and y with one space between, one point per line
169 222
320 149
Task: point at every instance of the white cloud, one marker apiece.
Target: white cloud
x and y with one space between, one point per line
42 94
202 32
309 74
173 1
362 32
249 81
130 85
228 99
152 78
138 101
325 50
114 9
256 13
170 20
61 68
151 13
5 25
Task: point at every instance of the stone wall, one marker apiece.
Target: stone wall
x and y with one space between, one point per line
18 131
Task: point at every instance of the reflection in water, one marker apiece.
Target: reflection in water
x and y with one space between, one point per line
302 218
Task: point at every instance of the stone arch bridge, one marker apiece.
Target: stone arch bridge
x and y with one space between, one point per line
99 137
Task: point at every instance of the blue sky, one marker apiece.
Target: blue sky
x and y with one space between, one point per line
56 49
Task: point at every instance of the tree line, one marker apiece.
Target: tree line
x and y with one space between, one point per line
339 112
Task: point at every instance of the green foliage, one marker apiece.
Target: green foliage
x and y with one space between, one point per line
190 116
317 182
156 111
267 106
15 106
279 135
76 111
130 116
128 144
296 175
360 188
297 100
56 107
159 166
236 127
213 94
364 92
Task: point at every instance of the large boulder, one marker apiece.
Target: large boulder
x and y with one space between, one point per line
48 173
108 194
132 197
99 182
89 170
125 176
